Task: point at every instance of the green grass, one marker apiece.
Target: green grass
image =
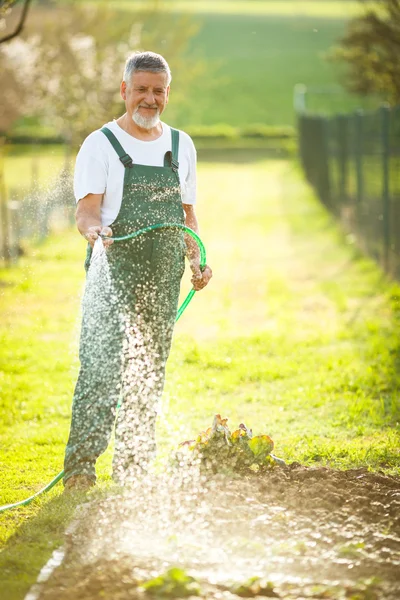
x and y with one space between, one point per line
297 336
327 8
260 59
26 167
257 52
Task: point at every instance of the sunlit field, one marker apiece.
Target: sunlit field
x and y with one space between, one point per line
296 336
26 167
327 8
257 51
254 53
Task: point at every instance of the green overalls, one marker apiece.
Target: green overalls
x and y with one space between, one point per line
127 325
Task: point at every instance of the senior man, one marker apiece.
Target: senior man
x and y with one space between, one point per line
133 172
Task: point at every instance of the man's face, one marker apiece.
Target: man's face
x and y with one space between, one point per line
146 96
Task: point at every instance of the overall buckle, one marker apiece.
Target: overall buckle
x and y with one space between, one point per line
126 160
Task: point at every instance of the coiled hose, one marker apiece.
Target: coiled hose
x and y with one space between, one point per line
181 309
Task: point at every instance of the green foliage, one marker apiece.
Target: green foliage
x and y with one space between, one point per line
174 583
268 131
79 52
220 131
255 586
365 589
370 48
228 132
220 449
5 8
261 446
11 105
352 550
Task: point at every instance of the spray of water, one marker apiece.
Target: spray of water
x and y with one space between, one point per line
127 324
288 535
295 529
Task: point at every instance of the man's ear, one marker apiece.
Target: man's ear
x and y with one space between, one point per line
167 94
123 90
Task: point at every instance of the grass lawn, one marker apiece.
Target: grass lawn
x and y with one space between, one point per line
257 52
26 167
326 8
297 336
260 58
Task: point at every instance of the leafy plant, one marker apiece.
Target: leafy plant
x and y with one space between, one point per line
174 583
255 586
219 448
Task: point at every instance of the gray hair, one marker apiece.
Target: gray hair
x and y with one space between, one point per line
146 61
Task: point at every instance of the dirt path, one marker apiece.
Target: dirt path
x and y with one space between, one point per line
312 533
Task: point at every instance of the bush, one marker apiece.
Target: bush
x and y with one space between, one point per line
228 132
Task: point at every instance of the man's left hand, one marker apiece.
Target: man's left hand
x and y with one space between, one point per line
200 278
106 233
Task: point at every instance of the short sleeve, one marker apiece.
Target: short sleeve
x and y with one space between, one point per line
91 169
189 190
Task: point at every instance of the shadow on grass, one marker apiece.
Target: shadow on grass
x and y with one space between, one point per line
32 545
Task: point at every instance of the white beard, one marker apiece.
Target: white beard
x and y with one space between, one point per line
146 122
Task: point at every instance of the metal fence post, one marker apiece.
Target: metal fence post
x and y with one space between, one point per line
385 129
325 179
299 98
358 157
343 156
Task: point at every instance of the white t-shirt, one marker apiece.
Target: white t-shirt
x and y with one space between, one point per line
98 169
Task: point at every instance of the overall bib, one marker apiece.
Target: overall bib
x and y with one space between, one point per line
127 325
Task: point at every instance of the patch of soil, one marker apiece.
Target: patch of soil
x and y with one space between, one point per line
311 532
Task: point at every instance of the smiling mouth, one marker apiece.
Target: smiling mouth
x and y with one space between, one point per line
149 107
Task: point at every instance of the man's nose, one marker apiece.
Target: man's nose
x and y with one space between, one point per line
150 98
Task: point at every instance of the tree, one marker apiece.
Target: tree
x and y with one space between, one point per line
11 105
371 49
6 9
71 60
11 24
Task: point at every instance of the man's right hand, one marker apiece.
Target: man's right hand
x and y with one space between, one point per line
93 233
200 277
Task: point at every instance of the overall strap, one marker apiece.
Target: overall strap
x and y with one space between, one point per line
123 156
175 149
171 157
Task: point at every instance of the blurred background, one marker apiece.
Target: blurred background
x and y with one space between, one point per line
251 78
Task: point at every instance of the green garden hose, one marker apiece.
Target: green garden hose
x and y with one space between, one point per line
28 500
183 306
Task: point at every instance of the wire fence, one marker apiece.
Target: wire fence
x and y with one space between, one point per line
353 162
